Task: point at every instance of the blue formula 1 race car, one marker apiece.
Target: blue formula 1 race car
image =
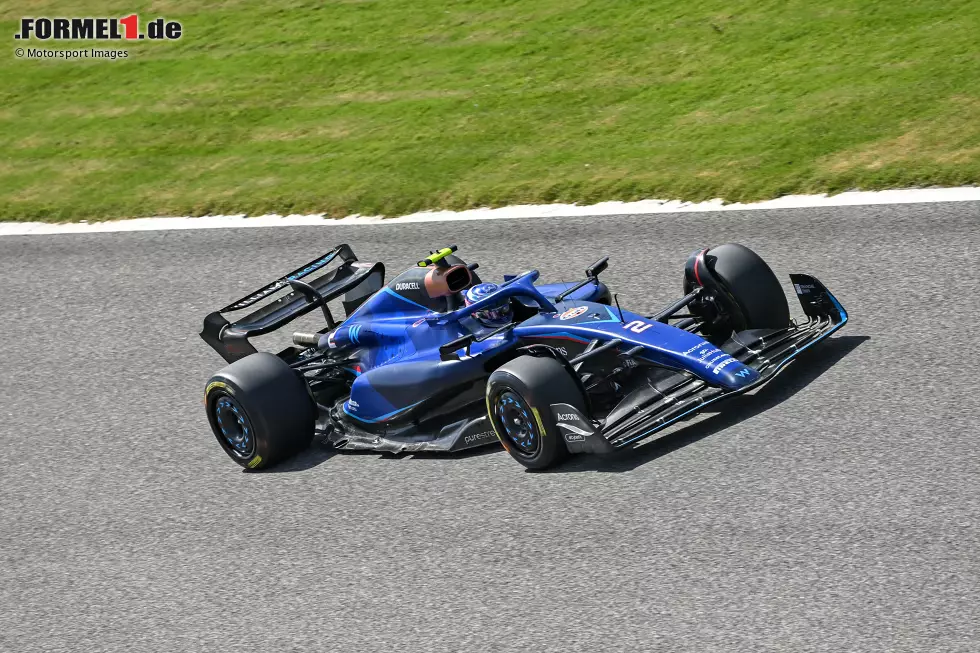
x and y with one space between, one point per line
437 360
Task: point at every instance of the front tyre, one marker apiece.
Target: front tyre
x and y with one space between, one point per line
260 410
753 298
752 284
519 398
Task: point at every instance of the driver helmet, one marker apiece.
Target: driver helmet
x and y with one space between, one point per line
495 315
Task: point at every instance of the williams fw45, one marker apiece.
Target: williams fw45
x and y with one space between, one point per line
438 360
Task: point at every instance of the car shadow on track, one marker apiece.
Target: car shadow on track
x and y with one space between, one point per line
787 383
732 411
458 455
320 453
308 459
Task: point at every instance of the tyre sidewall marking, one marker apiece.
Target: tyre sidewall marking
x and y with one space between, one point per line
493 424
221 385
256 460
537 418
527 394
518 386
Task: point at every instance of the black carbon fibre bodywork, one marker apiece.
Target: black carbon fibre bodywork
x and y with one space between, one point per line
354 279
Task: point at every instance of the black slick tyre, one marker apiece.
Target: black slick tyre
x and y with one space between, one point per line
519 398
751 283
260 410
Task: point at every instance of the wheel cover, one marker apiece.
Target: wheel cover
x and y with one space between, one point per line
235 427
514 416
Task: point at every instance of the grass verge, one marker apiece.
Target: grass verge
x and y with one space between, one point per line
391 106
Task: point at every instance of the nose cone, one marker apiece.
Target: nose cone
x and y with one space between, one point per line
716 366
734 374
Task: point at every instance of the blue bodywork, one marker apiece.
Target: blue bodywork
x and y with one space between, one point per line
436 360
396 342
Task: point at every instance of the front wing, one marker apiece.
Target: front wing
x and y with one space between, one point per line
766 351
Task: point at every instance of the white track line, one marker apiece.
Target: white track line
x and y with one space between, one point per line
643 207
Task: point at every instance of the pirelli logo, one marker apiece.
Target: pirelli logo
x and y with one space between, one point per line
127 28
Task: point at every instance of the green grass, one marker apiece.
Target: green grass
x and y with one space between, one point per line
390 106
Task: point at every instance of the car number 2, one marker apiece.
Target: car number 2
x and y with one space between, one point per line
637 326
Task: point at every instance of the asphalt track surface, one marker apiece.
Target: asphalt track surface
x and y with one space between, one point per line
835 510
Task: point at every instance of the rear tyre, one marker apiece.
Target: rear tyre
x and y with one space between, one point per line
260 410
519 398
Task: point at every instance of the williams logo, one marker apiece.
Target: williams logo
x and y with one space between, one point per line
127 28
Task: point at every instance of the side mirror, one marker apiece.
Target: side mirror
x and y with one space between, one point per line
597 268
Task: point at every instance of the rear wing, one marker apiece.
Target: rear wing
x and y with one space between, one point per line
354 279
